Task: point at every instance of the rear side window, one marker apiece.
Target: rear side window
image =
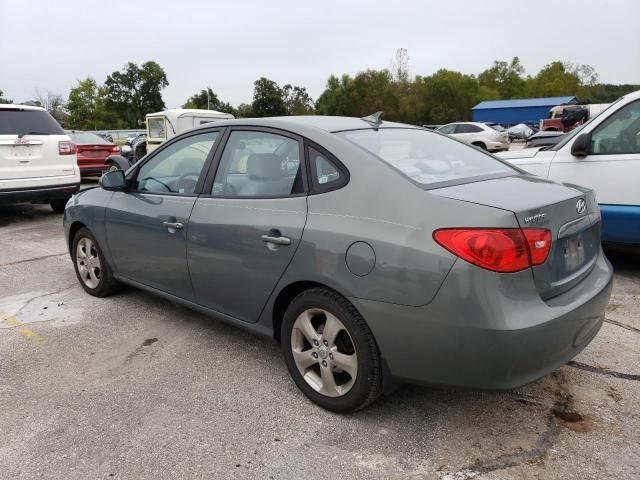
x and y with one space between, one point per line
16 122
427 158
325 173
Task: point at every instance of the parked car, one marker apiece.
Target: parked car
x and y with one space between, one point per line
564 118
106 136
37 159
133 150
544 139
603 154
93 150
477 134
461 270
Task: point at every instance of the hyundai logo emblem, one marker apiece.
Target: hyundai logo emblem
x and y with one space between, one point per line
581 206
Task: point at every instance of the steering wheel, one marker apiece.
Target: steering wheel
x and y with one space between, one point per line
181 181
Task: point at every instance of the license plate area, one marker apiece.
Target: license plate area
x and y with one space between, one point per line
573 252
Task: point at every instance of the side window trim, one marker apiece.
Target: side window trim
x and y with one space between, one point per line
316 187
135 170
207 186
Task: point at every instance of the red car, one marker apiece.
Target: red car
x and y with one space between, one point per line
92 152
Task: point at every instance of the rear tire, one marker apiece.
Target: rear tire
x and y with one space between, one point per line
58 205
92 270
330 351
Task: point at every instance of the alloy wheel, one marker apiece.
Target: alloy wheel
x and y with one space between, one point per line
324 352
88 262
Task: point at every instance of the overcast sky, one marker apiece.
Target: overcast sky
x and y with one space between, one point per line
49 45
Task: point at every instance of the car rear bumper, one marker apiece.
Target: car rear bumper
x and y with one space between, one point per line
488 331
497 146
38 194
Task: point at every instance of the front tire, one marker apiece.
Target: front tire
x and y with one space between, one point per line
330 351
93 272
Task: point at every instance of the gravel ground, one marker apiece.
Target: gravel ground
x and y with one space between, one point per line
137 387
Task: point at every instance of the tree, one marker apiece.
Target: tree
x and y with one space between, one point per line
504 78
552 81
208 100
51 102
244 110
297 101
87 107
4 100
136 91
336 98
267 99
399 66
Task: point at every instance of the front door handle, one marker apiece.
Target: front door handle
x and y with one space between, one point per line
276 240
173 225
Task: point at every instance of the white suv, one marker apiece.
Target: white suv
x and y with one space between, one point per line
38 161
478 134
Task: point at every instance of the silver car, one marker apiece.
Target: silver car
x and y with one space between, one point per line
375 252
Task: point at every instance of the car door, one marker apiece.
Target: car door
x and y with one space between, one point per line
612 169
245 230
463 132
147 225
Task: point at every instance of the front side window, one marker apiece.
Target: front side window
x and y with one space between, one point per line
427 158
259 164
620 133
176 168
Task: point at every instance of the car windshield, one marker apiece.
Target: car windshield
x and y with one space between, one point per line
87 138
427 158
15 121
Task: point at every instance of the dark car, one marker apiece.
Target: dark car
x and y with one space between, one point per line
93 150
375 252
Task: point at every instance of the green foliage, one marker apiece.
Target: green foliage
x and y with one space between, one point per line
297 101
87 107
267 99
135 91
4 100
208 100
504 78
244 110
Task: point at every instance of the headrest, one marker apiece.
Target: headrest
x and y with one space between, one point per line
264 166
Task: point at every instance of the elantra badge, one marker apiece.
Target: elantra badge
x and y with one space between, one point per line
539 218
581 206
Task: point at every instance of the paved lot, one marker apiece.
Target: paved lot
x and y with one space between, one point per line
137 387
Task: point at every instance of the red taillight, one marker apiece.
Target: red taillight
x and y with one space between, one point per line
66 147
539 241
115 149
497 249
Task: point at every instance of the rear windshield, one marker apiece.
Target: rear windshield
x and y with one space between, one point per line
87 138
427 158
16 122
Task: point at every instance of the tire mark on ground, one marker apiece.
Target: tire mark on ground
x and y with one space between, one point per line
604 371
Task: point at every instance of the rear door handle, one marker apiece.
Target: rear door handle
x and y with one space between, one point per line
174 225
276 240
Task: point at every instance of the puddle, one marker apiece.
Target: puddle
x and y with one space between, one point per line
35 307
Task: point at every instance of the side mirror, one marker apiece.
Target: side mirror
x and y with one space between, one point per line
113 180
581 145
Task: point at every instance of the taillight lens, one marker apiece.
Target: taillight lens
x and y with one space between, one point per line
115 149
539 242
66 147
503 250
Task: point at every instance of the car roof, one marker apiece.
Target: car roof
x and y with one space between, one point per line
309 122
11 106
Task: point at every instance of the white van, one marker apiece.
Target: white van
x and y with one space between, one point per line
38 161
161 126
603 154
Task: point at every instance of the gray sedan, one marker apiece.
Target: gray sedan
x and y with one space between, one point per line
375 252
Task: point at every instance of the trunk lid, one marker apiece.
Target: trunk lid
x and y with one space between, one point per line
568 211
98 151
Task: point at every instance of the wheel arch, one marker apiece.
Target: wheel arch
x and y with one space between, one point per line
73 229
286 296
